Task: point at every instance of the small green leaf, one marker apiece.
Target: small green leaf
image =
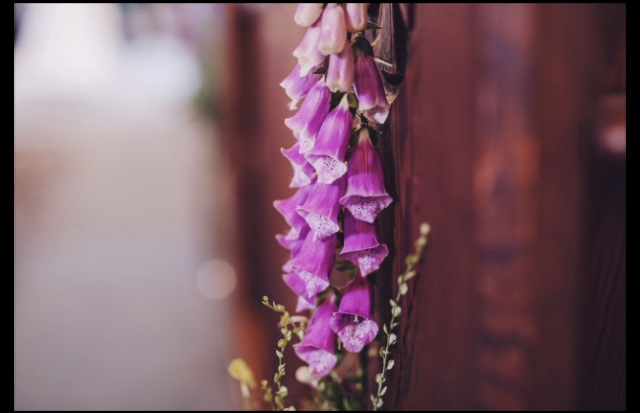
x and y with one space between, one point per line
386 330
425 229
409 275
279 354
394 325
373 399
320 71
282 343
383 391
383 352
392 338
379 378
404 288
396 310
393 303
390 364
379 403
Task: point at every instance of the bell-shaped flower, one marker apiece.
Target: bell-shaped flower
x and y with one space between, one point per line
369 89
356 16
307 13
309 118
287 208
353 322
321 207
333 30
341 70
361 245
317 346
297 86
307 51
310 267
302 169
366 195
331 144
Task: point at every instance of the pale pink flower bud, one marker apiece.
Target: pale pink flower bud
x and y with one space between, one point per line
341 69
307 13
356 14
307 51
333 30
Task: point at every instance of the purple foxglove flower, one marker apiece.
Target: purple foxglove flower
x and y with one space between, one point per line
287 207
310 267
341 70
318 344
308 120
297 87
307 51
353 322
369 89
361 245
307 13
321 207
302 169
366 195
330 147
333 30
356 14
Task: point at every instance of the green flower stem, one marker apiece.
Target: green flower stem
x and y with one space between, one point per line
411 261
277 401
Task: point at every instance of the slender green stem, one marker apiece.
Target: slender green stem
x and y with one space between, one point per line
396 310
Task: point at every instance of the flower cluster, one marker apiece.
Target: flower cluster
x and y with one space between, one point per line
337 172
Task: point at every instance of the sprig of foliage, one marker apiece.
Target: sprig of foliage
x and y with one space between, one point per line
396 310
289 328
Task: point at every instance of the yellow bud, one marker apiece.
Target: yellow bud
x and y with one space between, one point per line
239 370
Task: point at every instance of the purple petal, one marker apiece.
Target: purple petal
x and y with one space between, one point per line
287 207
318 344
341 71
353 322
366 195
305 286
307 13
313 263
333 30
297 87
321 207
309 118
331 144
369 89
302 169
361 245
303 304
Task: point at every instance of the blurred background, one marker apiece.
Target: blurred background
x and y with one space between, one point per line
147 156
122 288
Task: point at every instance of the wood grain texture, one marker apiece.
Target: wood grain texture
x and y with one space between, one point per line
430 142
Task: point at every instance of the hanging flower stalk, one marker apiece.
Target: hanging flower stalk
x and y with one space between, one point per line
339 183
340 186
